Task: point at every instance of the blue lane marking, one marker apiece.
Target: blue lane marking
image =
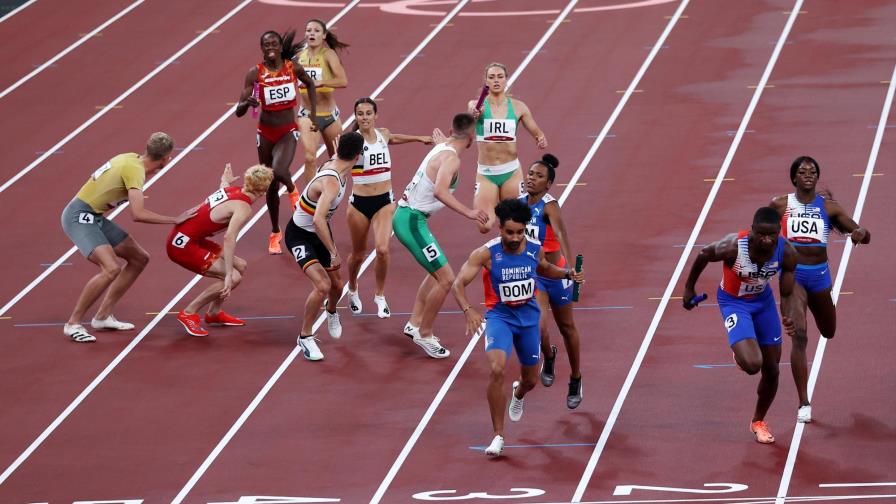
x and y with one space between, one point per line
558 445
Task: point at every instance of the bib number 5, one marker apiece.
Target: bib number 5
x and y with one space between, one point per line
431 252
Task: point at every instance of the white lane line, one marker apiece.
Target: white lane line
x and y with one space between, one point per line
686 251
739 500
16 10
838 283
49 152
152 323
70 48
852 485
393 471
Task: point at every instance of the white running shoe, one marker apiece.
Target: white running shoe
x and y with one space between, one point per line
516 405
432 347
411 331
804 414
77 333
111 323
334 327
382 308
310 349
496 447
354 302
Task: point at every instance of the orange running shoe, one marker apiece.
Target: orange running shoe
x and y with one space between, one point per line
760 430
274 243
223 318
191 324
294 198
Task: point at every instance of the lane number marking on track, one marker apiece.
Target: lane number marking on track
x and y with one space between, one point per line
726 488
519 493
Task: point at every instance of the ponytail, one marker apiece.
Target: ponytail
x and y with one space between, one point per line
330 37
288 48
550 162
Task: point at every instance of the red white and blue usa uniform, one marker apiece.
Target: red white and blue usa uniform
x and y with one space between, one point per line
808 225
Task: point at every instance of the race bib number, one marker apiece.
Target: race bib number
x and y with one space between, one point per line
216 198
180 240
517 293
299 252
101 170
86 218
431 252
315 73
499 130
279 94
731 322
805 230
532 233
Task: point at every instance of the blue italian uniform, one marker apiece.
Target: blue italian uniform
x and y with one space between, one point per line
559 291
745 298
512 316
808 225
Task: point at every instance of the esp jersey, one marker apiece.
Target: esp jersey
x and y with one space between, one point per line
492 129
538 228
806 225
374 164
511 279
420 192
744 279
304 214
277 90
109 184
201 225
316 67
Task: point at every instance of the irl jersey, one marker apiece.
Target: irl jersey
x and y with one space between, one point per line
374 164
806 225
277 90
538 228
201 225
511 279
304 214
744 279
420 192
491 129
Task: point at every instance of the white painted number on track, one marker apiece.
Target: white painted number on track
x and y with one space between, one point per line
519 493
726 488
266 499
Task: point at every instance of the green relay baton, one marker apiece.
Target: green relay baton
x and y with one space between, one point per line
575 286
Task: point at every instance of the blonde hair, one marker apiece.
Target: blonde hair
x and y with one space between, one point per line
257 179
159 145
494 64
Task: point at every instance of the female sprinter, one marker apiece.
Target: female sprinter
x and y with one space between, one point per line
321 63
499 174
372 201
275 79
806 220
547 227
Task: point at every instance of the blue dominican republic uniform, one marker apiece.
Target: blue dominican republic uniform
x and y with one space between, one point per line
745 297
512 316
559 291
808 225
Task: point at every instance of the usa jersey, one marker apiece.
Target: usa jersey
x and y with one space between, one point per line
806 225
744 279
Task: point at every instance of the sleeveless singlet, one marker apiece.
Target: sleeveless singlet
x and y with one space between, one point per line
538 228
419 194
744 279
806 225
316 67
277 90
511 279
490 129
304 214
201 225
374 164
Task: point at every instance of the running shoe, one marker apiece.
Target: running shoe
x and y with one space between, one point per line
515 411
411 331
310 349
354 302
274 243
804 414
496 447
760 430
547 368
223 318
574 396
294 198
382 308
431 346
191 324
110 323
78 334
334 327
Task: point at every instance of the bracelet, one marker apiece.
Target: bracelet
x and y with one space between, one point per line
465 309
568 275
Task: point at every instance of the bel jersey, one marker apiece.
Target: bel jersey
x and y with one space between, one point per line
806 225
511 279
745 279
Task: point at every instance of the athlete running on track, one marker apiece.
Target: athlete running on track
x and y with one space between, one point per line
275 79
230 207
321 62
431 189
499 174
371 202
749 260
547 228
102 242
806 220
511 263
310 240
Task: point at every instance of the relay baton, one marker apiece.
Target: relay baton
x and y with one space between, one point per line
699 298
576 285
255 95
482 96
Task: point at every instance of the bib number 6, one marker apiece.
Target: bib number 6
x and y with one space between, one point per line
180 240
